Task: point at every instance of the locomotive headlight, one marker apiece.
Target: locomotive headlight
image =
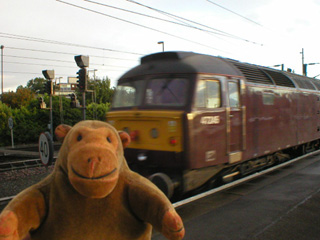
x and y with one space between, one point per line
142 157
154 133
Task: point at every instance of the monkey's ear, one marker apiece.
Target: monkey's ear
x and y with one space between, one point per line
125 139
61 131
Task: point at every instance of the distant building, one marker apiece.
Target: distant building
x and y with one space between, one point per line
64 89
72 80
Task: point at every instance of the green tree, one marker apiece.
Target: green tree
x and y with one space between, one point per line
62 112
5 113
102 89
28 125
37 85
21 97
97 111
30 120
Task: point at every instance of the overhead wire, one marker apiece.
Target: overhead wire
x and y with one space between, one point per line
183 20
52 60
20 37
137 24
248 19
133 12
181 23
58 60
219 32
65 75
59 66
36 64
67 53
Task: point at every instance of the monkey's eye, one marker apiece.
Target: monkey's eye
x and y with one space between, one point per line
79 138
108 139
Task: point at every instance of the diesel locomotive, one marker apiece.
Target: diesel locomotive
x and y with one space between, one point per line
195 118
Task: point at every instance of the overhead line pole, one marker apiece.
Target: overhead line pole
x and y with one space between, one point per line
2 47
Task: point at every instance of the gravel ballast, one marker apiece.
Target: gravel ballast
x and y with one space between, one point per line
13 182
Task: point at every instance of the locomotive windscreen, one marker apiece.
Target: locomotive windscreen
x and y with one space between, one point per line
154 92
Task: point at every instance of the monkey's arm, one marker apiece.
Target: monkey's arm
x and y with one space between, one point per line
24 213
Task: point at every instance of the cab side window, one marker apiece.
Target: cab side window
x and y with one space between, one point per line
208 94
234 96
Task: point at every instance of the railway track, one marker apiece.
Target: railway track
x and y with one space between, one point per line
5 200
20 164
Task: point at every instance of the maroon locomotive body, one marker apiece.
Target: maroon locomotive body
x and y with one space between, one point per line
212 118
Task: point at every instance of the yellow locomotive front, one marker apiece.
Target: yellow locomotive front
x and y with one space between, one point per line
152 110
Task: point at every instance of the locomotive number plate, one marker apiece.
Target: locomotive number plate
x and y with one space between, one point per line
210 120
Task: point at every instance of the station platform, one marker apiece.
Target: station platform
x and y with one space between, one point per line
282 205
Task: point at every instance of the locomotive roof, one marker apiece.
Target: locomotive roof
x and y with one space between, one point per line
189 62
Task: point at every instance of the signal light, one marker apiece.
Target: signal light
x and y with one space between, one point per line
82 79
134 135
49 75
173 141
48 87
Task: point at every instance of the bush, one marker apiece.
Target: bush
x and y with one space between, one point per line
5 133
97 111
29 121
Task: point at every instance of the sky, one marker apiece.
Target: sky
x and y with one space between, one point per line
47 34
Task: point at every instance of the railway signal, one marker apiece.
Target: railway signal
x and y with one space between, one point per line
42 103
82 79
48 88
49 75
74 101
82 63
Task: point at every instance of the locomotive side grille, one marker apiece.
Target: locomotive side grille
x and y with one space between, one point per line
252 73
279 78
303 82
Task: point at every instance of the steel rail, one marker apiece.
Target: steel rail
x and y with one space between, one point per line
242 180
22 164
5 199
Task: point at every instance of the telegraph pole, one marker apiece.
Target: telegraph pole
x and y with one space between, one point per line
2 47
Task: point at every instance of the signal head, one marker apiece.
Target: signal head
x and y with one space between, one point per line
82 61
48 74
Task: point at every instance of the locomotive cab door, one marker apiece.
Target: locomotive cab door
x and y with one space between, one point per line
207 142
235 112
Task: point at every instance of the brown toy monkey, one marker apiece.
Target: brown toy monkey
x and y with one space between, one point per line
91 194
